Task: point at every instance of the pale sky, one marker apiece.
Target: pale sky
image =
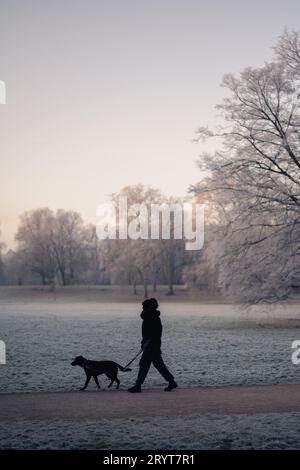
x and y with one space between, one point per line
106 93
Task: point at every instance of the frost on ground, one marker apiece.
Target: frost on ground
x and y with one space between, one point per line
202 344
260 431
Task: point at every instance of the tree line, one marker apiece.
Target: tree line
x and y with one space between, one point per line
58 248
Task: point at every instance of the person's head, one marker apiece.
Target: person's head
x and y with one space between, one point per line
150 304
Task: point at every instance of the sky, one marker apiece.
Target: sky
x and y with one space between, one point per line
108 93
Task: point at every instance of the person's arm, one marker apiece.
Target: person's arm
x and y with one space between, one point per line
159 329
145 344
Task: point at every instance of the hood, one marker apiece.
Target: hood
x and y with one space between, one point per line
150 314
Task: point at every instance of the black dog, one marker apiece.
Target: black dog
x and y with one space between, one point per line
95 368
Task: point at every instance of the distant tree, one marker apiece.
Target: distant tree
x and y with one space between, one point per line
51 244
146 261
172 259
132 261
202 272
93 265
35 247
67 240
119 261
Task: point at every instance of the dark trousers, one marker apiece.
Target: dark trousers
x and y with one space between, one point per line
155 358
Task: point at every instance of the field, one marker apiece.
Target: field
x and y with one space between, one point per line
204 344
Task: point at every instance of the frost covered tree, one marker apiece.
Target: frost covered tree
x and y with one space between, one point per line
92 265
202 273
35 248
68 241
51 244
254 178
131 261
145 261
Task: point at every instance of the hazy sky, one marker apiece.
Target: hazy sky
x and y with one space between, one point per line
105 93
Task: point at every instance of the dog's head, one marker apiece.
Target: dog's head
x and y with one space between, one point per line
78 361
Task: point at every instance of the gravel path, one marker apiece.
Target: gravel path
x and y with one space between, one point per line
120 404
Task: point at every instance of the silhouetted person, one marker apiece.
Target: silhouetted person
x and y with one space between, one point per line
151 342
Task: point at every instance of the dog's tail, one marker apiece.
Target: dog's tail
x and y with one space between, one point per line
123 369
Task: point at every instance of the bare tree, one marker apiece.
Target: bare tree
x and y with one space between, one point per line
146 261
131 261
93 264
202 272
67 240
51 244
35 246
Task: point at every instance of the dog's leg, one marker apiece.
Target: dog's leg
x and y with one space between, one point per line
88 378
118 383
112 381
110 376
96 380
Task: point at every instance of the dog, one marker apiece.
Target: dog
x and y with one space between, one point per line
95 368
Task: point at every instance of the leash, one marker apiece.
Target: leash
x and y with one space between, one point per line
133 358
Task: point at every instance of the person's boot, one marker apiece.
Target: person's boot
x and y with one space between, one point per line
135 389
171 385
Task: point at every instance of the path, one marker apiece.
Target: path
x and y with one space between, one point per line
121 404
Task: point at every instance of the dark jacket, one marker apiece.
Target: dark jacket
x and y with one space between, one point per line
151 330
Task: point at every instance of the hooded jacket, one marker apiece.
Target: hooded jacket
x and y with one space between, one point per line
151 330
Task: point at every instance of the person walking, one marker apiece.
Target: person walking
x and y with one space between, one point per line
151 343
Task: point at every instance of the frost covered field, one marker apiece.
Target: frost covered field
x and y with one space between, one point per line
262 431
203 344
